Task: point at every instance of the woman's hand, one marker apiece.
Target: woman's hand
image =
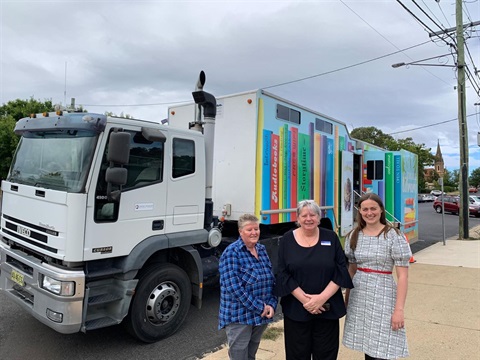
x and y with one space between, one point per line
398 319
315 304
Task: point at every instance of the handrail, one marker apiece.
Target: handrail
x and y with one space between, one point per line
291 210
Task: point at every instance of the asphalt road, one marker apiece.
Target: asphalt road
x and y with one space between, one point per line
23 337
430 229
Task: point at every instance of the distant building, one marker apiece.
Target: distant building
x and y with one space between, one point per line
439 169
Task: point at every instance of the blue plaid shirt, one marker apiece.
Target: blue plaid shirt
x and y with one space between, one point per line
246 285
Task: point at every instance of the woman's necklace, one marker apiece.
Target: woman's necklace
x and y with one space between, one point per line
309 240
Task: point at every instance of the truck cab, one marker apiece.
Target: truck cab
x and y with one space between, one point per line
100 220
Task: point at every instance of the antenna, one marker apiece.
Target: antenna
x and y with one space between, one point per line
65 90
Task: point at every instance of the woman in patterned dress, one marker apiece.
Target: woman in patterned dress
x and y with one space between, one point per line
375 322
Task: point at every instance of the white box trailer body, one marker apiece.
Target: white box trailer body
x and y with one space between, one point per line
270 153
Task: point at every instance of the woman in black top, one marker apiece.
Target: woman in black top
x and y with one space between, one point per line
311 272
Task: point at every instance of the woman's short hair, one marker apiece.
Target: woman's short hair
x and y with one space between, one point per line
246 218
310 205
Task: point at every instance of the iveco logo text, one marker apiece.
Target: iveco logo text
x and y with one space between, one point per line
23 231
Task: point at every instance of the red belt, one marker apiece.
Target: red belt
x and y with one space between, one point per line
374 271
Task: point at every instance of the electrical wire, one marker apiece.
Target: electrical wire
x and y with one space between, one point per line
433 21
271 86
432 12
438 3
345 67
471 59
426 126
425 25
391 43
466 12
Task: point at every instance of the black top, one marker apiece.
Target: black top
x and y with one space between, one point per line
311 268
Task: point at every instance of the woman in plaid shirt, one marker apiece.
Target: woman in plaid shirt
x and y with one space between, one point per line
247 303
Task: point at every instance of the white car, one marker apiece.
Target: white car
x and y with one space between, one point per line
436 192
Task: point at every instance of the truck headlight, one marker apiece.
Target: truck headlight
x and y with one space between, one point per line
64 288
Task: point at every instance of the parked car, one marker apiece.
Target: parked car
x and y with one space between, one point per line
425 198
451 205
474 199
472 190
436 192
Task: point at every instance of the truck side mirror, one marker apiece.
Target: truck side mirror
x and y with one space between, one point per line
118 154
116 176
119 148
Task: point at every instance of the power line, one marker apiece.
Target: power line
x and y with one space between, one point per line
425 25
426 126
152 104
432 11
395 46
438 3
433 21
271 86
345 67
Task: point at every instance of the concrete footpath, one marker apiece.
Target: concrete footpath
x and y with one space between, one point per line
442 314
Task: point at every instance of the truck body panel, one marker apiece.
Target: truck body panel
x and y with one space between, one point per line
279 153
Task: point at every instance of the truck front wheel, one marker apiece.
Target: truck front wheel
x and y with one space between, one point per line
160 304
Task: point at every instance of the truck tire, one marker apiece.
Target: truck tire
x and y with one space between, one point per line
160 304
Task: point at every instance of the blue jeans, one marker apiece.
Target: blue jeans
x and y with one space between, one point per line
243 340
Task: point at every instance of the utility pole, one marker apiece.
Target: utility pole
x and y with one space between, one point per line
462 123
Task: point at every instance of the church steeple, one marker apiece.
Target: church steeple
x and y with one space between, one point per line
439 164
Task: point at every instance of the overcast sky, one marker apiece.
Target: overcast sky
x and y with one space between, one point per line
121 56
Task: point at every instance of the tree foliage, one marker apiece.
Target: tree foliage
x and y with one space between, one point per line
8 143
10 113
474 178
18 109
377 137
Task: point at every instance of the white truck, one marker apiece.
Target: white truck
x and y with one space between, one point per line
108 220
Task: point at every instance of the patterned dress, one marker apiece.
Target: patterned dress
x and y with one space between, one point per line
372 300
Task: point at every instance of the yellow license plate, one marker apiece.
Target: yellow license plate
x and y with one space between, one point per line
17 277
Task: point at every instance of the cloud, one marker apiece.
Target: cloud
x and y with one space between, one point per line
150 52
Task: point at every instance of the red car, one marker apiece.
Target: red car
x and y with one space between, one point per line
451 205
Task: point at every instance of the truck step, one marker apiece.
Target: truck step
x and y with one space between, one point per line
100 323
103 299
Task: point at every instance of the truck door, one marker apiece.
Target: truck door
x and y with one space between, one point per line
346 203
140 212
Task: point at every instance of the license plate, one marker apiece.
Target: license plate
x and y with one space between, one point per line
17 278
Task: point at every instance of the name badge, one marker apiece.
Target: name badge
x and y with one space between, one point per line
325 243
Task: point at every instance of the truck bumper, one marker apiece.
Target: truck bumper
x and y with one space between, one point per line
21 279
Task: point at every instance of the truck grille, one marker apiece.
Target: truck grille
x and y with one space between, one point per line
19 265
22 293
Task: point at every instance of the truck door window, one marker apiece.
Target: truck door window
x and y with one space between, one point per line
183 157
145 167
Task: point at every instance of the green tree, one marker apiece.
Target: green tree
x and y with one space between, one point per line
449 178
373 136
474 178
10 113
376 137
18 109
8 143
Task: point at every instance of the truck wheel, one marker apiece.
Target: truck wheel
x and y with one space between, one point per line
160 304
438 209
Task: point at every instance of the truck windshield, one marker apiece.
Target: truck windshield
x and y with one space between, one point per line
54 160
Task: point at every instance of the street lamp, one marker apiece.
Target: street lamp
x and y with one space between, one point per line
420 62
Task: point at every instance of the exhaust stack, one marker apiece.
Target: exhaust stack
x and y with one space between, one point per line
208 103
